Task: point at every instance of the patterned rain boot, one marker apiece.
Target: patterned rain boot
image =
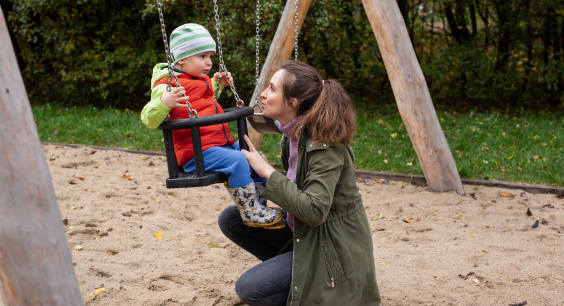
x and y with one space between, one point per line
253 212
260 186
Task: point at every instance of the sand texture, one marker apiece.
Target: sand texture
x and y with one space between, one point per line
460 251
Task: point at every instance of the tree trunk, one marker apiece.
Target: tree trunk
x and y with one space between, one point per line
412 96
35 261
280 51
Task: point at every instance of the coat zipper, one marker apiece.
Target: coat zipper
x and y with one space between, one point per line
293 261
329 269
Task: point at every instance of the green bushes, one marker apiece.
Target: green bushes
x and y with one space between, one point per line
502 53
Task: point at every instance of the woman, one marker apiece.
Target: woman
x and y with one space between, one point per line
330 260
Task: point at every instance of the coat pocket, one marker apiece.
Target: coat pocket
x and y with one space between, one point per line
333 266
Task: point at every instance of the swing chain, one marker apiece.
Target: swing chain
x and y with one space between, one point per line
258 49
192 113
222 68
296 33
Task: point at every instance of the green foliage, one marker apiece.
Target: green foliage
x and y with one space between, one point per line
480 53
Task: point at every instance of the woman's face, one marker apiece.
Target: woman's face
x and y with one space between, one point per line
272 103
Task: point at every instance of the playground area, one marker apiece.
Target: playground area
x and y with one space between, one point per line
478 249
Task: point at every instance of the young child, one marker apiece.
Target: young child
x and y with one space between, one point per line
192 48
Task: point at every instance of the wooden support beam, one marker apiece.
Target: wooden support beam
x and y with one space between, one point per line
281 50
412 96
35 261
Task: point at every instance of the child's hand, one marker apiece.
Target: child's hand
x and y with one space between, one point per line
223 81
174 98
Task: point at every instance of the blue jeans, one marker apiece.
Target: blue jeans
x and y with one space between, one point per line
268 283
229 160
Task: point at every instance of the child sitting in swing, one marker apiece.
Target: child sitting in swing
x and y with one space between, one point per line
192 48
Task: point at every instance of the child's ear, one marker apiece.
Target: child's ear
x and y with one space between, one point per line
181 62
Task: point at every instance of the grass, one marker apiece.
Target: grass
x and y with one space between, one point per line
517 148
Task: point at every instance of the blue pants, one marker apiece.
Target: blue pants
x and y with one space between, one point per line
228 160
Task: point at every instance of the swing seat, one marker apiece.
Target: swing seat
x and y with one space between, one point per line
262 124
177 178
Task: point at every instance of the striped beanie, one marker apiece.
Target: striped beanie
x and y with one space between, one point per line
190 39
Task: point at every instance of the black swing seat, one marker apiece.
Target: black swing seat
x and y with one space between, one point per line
177 178
261 123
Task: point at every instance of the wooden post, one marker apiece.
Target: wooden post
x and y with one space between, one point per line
412 96
281 50
35 261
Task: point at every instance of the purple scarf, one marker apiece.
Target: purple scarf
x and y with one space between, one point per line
292 159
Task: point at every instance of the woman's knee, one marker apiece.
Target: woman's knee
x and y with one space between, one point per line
244 287
227 218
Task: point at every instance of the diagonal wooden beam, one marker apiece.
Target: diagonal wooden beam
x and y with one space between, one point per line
280 51
35 261
412 96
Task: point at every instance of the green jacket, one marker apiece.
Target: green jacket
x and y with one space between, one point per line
155 112
333 253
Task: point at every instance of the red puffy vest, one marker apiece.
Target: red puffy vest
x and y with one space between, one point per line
200 93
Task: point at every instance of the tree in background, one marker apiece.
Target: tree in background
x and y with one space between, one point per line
474 53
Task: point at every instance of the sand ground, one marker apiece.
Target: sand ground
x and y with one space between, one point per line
461 251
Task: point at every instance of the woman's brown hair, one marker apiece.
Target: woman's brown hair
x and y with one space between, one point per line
325 105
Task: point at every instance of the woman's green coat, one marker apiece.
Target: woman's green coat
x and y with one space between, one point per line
333 254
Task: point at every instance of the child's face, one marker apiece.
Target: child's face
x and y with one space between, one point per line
198 65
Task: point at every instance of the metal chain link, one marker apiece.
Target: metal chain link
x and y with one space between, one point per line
192 113
258 49
222 68
296 33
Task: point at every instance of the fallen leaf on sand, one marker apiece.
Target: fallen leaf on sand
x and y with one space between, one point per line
366 207
410 220
97 291
126 214
529 213
560 196
473 235
217 208
149 187
78 247
65 222
406 232
506 194
158 235
214 245
512 225
477 281
523 194
473 195
383 264
373 218
72 182
111 253
485 251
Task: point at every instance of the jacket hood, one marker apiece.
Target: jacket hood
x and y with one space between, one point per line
159 73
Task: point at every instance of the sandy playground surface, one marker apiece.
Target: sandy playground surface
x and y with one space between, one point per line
461 250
